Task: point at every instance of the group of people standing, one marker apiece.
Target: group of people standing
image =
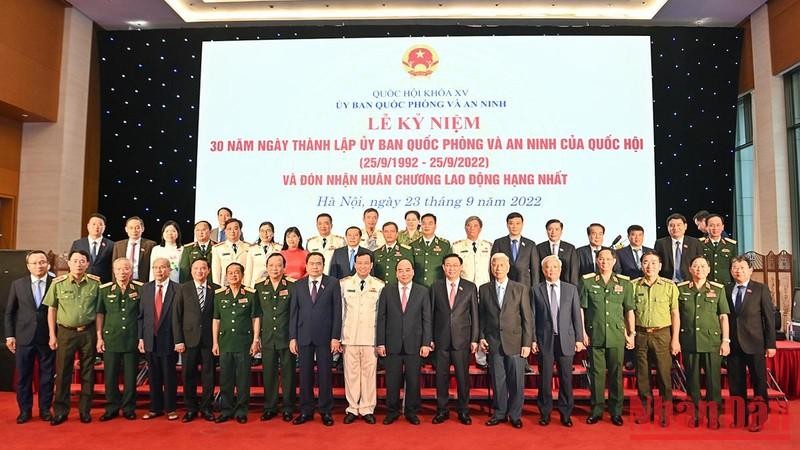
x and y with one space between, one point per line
405 296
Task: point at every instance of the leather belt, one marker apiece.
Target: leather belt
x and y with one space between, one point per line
651 330
79 329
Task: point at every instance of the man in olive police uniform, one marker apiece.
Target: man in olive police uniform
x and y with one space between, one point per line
236 337
118 338
387 257
72 307
607 300
275 294
704 336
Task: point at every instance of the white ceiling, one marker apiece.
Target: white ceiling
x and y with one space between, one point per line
147 14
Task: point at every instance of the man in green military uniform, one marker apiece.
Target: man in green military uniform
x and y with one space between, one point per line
118 338
274 294
235 332
428 252
200 248
657 329
704 336
387 257
719 251
607 300
72 307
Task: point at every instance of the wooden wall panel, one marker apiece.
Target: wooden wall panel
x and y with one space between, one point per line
30 51
746 80
784 23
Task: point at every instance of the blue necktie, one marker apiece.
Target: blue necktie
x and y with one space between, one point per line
739 297
352 259
37 293
677 274
221 236
514 250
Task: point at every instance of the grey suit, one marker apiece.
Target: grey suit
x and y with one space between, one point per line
507 329
557 347
142 259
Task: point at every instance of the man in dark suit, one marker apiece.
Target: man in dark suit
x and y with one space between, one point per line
455 335
629 258
156 341
752 332
559 335
403 337
193 308
677 247
135 248
521 252
564 250
98 247
587 254
315 328
344 258
506 330
27 336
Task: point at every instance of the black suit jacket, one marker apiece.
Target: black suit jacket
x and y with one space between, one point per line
404 332
190 324
570 325
752 326
23 320
340 262
101 266
157 335
568 257
456 328
691 248
626 261
146 247
526 268
319 322
512 325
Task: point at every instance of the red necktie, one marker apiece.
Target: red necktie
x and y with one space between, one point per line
404 298
132 254
452 295
159 303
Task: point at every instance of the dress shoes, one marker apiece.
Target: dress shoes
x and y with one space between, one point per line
130 415
544 421
694 422
464 419
753 427
566 421
493 421
58 420
46 416
108 416
268 415
369 418
439 418
327 420
388 420
301 419
591 420
349 418
412 419
23 417
208 415
189 416
516 423
713 424
287 417
241 419
616 420
85 417
222 418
